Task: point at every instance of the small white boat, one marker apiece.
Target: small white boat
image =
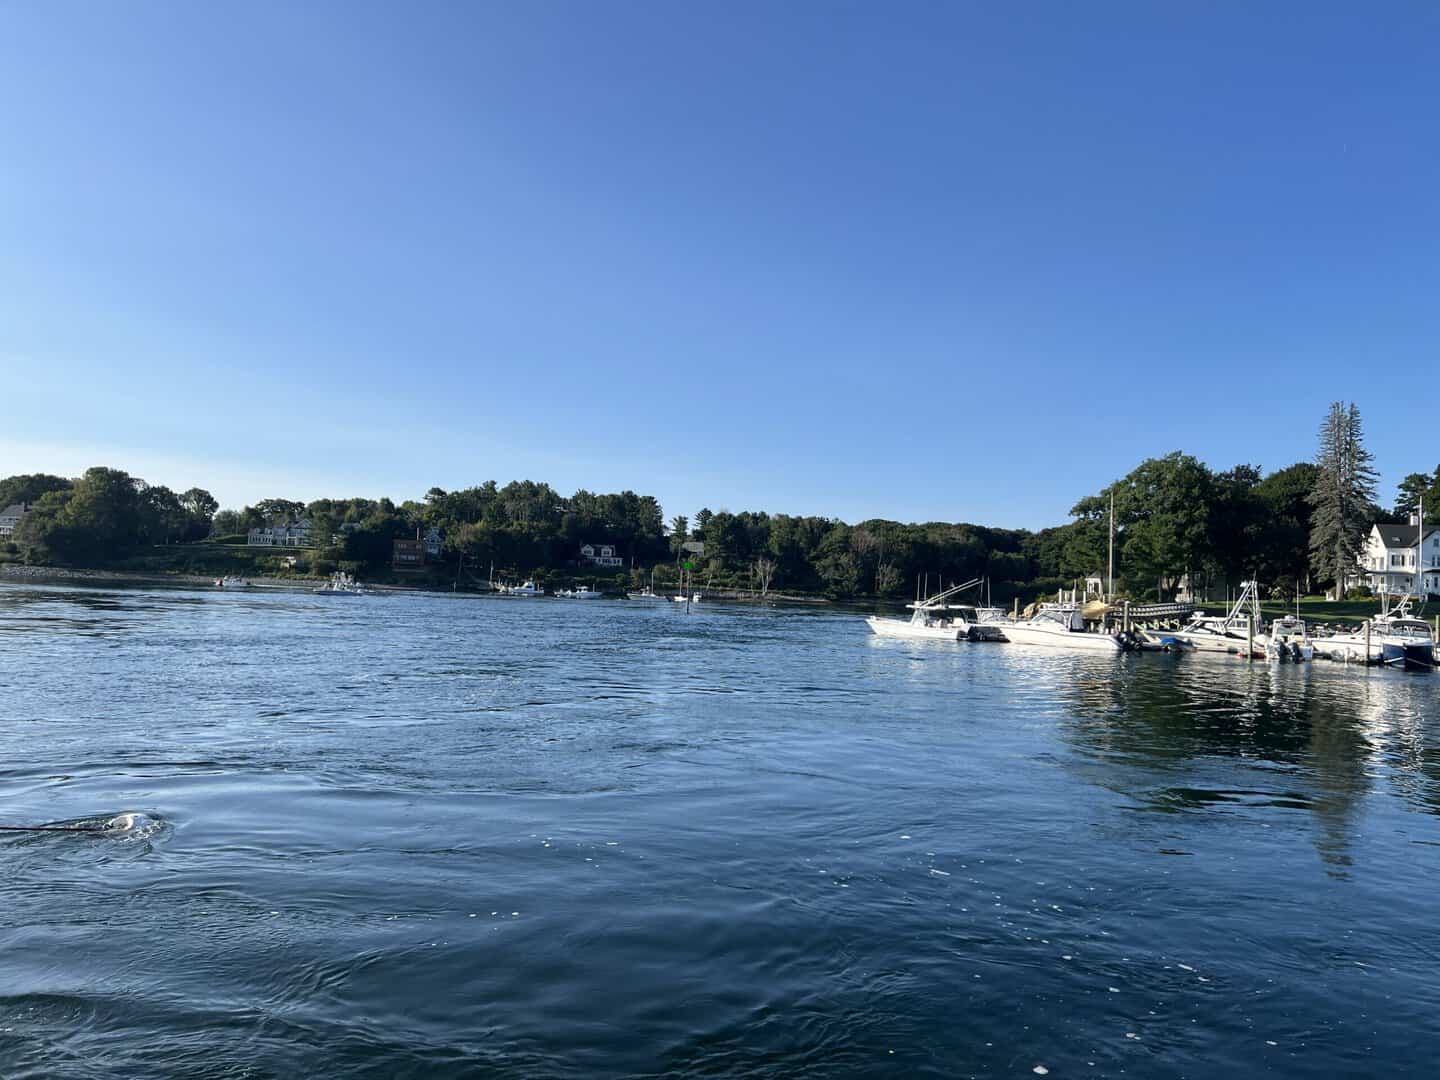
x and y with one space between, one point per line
937 619
648 593
1288 640
341 584
584 592
693 598
528 588
1060 626
231 582
1231 633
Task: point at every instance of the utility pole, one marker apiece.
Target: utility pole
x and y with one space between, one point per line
1110 587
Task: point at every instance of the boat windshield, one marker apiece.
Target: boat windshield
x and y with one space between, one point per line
1412 628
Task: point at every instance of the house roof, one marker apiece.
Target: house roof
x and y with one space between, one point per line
13 510
1401 534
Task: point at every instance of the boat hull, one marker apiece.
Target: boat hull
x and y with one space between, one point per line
1203 642
1410 655
903 628
1060 638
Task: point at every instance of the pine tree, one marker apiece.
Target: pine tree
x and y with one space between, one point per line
1343 493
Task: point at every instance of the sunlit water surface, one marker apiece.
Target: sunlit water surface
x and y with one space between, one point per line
404 836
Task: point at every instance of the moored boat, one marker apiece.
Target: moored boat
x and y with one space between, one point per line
1230 633
1289 640
1395 638
341 584
936 619
528 588
1061 626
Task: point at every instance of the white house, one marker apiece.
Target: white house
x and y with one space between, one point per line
1388 563
10 517
296 534
600 555
434 541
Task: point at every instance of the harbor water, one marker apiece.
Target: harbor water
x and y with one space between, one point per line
433 836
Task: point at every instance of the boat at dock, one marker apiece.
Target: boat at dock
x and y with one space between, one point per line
232 582
937 619
1395 638
1232 633
1061 626
1289 640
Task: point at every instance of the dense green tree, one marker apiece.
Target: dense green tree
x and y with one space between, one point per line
1343 494
226 523
279 511
1282 539
1413 489
27 488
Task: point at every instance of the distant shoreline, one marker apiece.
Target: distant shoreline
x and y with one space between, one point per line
16 573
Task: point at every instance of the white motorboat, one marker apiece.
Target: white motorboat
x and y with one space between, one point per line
1231 633
341 584
232 582
1060 626
1288 640
529 588
936 619
1394 638
693 598
583 592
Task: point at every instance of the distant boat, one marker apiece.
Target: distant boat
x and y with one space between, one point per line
231 582
529 588
341 584
648 592
584 592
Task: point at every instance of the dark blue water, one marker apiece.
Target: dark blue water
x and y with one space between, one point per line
404 836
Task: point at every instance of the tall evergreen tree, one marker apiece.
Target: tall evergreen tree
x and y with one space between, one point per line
1344 490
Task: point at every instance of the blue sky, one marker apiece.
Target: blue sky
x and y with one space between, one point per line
861 260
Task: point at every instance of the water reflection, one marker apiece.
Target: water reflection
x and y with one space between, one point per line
1310 737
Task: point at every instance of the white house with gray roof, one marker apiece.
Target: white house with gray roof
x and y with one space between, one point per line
1392 564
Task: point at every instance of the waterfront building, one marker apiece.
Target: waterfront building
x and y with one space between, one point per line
434 543
296 534
9 518
1388 563
408 554
600 555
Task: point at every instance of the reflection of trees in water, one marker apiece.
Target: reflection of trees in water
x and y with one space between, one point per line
1171 713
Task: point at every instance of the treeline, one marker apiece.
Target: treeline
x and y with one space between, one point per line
104 514
1299 526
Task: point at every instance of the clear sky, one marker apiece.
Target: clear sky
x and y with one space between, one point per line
924 261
